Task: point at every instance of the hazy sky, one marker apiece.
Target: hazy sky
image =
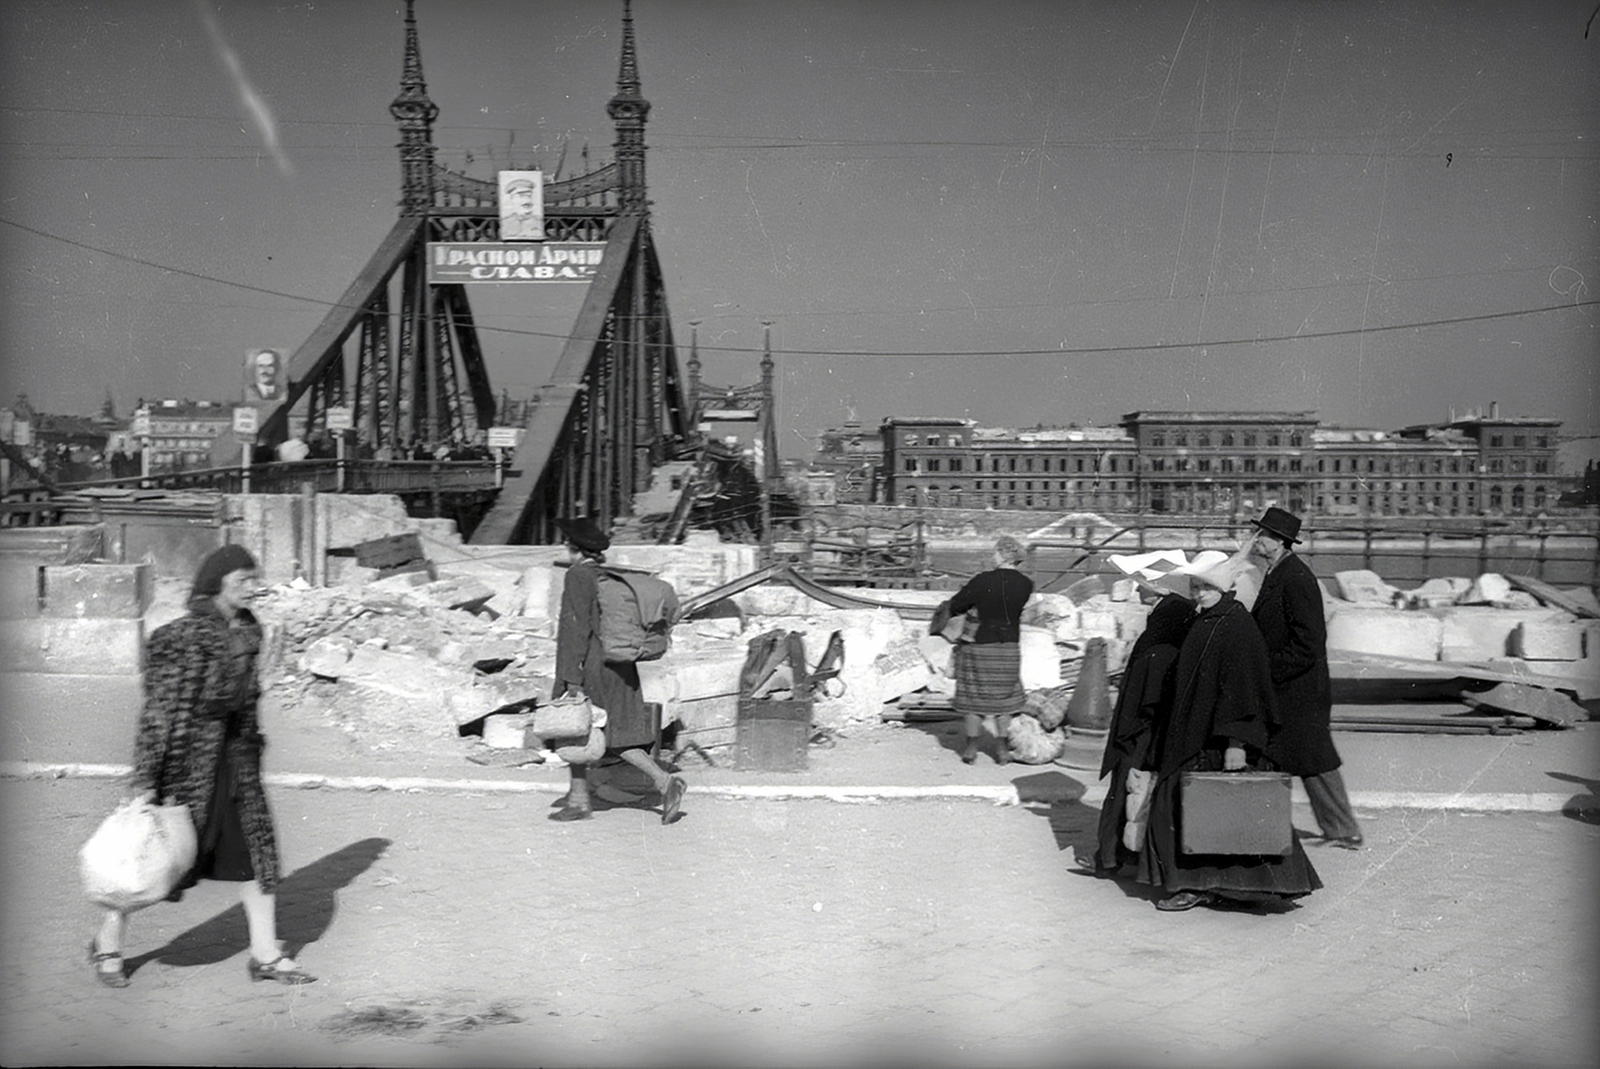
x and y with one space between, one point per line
1096 208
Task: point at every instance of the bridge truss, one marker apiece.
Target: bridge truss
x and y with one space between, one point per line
403 353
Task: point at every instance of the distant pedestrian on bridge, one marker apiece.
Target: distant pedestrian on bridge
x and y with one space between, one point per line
1289 612
581 668
989 668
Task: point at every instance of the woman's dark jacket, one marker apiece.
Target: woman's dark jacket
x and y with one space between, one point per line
1289 613
1147 685
581 662
201 690
1222 689
999 596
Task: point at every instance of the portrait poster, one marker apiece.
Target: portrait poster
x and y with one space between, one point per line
521 205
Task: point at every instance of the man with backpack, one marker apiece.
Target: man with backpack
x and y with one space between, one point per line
582 669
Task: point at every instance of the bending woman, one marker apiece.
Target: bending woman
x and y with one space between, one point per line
989 668
199 743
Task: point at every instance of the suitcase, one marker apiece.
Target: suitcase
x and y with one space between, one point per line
1237 813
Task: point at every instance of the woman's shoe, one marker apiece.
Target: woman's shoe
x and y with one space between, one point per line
571 812
1002 753
1184 900
970 753
672 799
119 978
281 968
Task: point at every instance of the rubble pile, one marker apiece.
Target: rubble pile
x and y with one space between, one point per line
407 659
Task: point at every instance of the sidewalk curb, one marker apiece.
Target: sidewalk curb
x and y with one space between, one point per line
1001 795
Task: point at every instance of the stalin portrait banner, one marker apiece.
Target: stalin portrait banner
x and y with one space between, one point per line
479 261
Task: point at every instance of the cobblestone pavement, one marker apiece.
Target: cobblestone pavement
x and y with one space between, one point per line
466 929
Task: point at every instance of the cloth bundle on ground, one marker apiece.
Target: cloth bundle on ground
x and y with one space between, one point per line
138 855
1031 743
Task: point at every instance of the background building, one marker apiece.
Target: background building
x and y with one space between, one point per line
1226 464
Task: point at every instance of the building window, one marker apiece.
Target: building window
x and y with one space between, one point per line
1204 463
1182 464
1204 440
1541 466
933 464
1519 441
1181 439
1294 463
910 439
1297 439
1080 464
1011 463
911 463
1227 463
955 463
1249 463
1518 464
955 442
1497 465
1543 441
1227 439
1272 439
1158 439
1158 464
1272 463
1496 441
1250 439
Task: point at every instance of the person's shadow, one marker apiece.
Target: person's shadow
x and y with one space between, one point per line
307 901
1581 807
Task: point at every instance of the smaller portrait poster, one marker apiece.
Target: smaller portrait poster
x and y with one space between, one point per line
521 205
264 380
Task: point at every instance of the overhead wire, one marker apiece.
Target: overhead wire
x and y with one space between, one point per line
1063 350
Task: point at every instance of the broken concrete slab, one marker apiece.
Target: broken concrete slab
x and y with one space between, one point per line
121 591
1360 629
1362 587
1548 640
1481 632
1540 703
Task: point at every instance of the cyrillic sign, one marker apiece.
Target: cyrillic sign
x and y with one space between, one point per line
505 261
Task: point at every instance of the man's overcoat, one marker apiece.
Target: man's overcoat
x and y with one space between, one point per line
1289 612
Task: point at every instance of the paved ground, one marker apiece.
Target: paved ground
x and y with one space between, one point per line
887 904
451 923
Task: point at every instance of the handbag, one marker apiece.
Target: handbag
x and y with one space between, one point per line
137 855
567 717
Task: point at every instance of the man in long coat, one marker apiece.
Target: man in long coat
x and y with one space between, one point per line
1289 612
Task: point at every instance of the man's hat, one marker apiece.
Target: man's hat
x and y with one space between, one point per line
520 183
1277 522
585 534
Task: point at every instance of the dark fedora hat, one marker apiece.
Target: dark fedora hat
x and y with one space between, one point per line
584 533
1284 525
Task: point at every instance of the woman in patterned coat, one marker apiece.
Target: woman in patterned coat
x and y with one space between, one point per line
199 743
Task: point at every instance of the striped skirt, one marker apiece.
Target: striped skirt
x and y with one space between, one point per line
989 679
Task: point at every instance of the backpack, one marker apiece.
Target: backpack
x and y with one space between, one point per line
637 612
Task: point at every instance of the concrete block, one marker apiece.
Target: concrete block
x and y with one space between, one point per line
119 591
88 646
69 718
1386 632
901 668
1041 661
1487 589
706 722
20 589
506 731
1365 588
70 544
1536 640
1479 633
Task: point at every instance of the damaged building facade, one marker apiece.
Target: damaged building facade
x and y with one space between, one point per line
1227 464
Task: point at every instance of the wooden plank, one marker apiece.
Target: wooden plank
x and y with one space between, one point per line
1549 594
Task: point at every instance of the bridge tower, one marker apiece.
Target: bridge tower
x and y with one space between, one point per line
415 373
